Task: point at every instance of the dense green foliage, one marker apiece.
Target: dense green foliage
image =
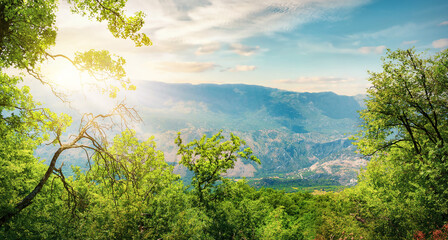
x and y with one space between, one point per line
27 31
130 192
403 191
405 132
297 184
209 159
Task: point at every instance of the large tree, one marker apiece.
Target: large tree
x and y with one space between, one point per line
27 31
405 131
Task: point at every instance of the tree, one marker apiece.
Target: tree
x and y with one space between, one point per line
22 128
405 131
407 103
27 31
209 158
118 192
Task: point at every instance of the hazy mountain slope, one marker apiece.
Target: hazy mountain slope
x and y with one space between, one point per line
293 134
288 131
245 107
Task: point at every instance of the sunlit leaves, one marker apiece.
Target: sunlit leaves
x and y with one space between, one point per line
22 129
20 113
122 184
405 129
209 158
113 12
100 64
132 167
107 70
407 102
27 30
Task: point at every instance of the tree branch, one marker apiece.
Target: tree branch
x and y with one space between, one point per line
90 124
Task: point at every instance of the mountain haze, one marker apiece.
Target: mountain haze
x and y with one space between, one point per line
292 133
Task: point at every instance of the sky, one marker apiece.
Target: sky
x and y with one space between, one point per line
297 45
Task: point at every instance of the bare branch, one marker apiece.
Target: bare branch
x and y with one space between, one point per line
60 95
98 143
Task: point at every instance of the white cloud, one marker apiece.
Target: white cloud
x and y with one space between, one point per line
368 50
328 47
396 31
177 26
243 50
188 67
202 21
410 42
443 23
208 49
323 47
241 68
441 43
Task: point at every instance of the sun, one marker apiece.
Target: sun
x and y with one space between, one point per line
67 77
79 85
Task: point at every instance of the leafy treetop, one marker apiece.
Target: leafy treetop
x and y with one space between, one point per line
209 159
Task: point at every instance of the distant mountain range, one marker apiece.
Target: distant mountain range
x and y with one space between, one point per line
295 134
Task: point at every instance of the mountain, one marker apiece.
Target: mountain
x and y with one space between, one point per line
245 107
293 134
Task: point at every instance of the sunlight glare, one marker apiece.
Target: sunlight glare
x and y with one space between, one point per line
68 78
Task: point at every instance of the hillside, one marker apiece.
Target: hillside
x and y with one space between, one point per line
295 135
290 132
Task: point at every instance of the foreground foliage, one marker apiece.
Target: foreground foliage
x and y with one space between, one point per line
130 192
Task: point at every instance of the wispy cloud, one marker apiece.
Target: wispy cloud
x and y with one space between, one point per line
241 68
443 23
201 21
393 31
441 43
208 49
369 50
328 47
186 67
409 42
177 26
243 50
323 47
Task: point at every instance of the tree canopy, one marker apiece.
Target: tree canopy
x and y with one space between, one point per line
405 134
209 159
27 31
131 192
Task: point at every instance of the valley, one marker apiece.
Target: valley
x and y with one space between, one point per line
295 135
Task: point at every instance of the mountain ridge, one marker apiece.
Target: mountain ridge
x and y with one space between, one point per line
301 135
289 131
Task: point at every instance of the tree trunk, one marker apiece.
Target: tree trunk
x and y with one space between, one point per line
29 198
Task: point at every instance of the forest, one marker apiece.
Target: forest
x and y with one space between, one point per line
131 192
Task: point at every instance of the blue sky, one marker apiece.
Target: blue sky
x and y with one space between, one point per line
299 45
